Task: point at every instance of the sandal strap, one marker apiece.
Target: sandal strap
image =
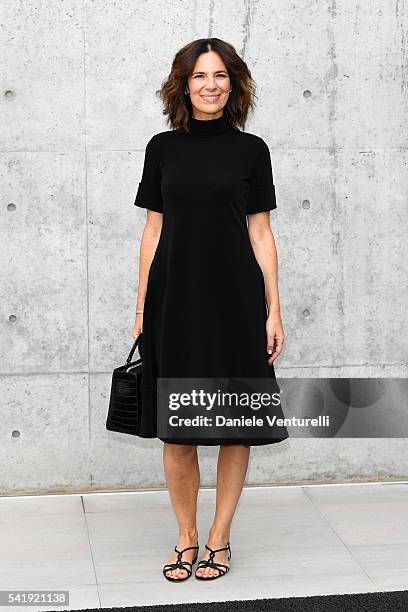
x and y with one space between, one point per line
184 549
213 564
215 550
178 565
180 553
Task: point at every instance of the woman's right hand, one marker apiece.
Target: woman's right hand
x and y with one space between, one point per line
138 327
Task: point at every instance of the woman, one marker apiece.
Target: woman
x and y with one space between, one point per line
208 302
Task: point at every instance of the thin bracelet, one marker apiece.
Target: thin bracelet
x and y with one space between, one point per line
138 311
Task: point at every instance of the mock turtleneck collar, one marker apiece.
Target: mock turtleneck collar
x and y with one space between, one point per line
209 127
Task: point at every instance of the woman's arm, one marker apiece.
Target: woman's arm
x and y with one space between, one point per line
263 244
148 244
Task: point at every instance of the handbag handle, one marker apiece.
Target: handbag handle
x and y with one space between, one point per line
132 350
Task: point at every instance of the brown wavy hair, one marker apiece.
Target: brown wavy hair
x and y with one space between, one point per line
177 104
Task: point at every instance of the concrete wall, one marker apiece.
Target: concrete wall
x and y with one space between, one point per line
78 107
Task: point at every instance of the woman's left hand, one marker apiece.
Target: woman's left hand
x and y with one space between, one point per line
274 334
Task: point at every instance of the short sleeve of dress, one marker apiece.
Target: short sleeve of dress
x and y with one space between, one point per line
261 195
149 190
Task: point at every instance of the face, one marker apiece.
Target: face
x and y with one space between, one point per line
208 86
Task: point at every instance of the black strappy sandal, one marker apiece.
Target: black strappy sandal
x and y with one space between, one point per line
179 564
211 563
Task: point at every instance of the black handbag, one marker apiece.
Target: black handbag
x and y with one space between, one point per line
125 404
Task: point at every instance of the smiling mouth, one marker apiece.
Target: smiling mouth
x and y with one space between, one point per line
212 98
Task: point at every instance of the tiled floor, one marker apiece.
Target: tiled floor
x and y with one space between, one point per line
107 549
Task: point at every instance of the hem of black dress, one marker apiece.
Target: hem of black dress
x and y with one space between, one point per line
207 442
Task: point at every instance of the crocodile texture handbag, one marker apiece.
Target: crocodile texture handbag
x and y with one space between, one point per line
125 403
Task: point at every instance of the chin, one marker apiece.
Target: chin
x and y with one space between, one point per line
212 110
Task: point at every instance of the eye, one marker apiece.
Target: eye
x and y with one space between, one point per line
201 75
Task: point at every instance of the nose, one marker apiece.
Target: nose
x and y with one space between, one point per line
211 85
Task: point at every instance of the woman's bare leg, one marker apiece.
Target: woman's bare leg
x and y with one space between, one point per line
231 471
182 474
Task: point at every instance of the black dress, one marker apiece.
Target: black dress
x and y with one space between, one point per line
205 310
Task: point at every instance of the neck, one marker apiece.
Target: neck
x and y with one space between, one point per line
209 127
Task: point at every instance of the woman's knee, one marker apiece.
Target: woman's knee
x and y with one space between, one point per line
180 451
